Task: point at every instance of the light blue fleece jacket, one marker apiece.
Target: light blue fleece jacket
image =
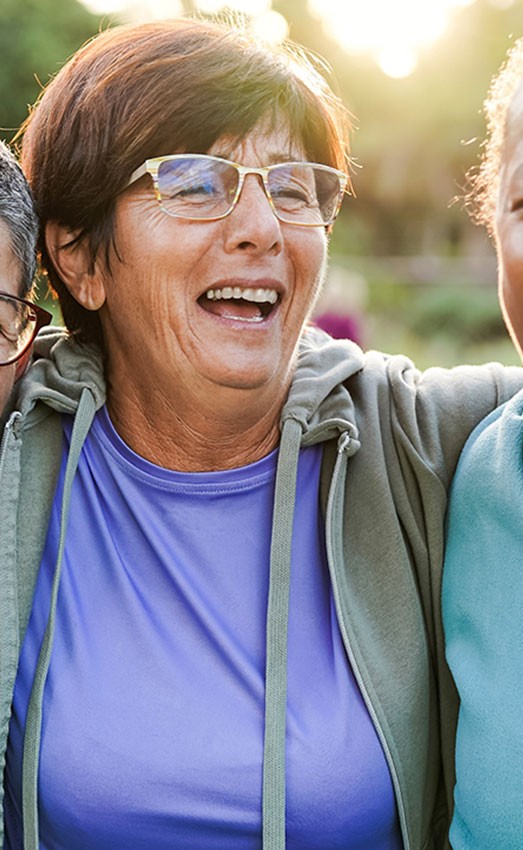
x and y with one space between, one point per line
483 619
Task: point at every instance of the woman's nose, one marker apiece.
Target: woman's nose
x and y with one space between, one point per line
252 225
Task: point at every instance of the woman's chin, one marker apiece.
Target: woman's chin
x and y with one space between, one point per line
246 372
244 355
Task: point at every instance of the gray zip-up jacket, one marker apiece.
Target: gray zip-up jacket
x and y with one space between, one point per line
391 437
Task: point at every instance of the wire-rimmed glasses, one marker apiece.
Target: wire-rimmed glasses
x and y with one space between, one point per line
20 321
201 187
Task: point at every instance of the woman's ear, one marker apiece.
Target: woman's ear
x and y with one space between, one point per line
73 264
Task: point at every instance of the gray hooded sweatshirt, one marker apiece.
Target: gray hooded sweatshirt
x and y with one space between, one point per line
391 438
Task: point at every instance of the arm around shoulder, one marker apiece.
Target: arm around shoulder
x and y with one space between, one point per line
435 411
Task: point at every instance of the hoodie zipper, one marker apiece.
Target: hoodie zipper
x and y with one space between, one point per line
343 442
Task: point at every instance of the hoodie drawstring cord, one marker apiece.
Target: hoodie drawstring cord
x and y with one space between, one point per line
33 727
273 803
274 760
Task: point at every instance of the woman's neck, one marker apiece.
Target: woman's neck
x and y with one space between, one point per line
231 429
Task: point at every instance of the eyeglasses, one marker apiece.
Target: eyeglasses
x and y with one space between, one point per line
200 187
20 321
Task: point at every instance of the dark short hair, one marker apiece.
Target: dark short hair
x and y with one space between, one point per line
484 180
17 215
136 92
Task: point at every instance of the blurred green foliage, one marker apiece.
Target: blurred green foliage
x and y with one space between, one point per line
442 325
474 316
36 36
445 319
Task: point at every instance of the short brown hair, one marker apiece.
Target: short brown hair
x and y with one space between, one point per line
135 92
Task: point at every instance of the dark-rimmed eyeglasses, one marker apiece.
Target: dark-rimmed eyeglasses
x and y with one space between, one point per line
20 321
200 187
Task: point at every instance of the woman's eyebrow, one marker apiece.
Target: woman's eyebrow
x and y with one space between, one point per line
272 159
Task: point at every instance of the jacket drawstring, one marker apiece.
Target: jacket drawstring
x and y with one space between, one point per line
274 755
33 727
273 796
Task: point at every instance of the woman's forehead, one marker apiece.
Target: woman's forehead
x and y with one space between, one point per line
267 141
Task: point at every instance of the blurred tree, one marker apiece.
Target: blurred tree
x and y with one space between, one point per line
411 131
36 37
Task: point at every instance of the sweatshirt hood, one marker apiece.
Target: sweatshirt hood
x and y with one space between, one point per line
61 369
318 400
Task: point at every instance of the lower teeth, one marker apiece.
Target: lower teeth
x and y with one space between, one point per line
258 318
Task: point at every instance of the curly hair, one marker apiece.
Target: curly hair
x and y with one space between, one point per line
484 180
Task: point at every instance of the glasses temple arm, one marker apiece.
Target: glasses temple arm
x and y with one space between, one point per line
137 174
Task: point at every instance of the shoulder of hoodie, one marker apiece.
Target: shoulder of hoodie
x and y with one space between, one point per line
60 370
428 414
490 384
375 368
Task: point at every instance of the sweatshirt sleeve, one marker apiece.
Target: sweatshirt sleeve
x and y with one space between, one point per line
431 416
433 412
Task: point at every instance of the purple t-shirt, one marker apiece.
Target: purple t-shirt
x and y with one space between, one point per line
152 732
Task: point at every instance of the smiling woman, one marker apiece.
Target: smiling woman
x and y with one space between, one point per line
228 589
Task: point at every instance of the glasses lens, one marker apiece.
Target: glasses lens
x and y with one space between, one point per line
305 193
17 327
197 187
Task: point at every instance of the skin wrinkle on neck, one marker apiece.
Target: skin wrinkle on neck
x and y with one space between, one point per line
222 437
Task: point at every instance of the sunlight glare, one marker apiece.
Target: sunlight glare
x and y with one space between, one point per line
102 7
394 33
136 11
249 7
158 9
395 64
270 27
267 24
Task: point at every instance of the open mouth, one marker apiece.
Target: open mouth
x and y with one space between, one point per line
248 304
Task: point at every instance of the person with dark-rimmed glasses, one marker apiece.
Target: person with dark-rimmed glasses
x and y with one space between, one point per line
20 319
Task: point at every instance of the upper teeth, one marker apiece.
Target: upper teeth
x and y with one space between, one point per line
258 295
